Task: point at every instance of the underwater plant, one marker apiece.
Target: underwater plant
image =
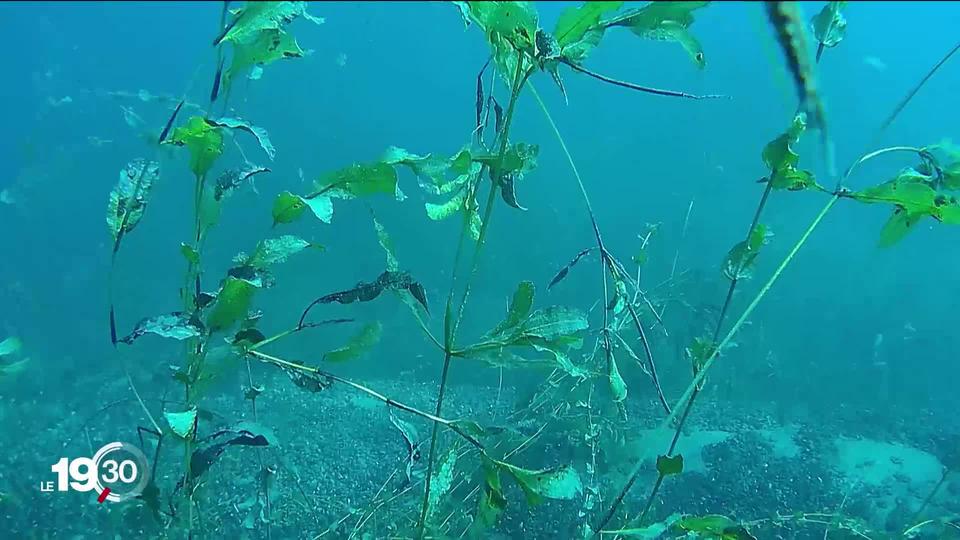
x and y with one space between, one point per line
461 489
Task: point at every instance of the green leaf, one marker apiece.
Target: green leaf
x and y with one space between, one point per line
829 26
664 21
908 191
250 20
792 179
129 198
261 134
233 302
182 424
552 323
617 385
740 260
276 250
177 325
444 210
267 47
491 503
190 254
288 207
667 465
897 227
203 140
10 346
360 180
358 345
575 22
561 482
779 153
651 532
714 526
519 308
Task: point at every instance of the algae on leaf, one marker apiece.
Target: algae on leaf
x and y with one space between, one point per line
129 198
561 482
276 250
175 325
830 26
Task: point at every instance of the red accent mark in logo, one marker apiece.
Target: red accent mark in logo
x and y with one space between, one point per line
103 495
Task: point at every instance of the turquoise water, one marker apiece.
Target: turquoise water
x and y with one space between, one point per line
830 408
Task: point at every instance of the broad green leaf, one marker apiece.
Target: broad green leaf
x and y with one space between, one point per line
575 22
203 140
779 153
189 253
519 308
579 51
179 326
10 346
358 345
741 258
250 20
655 531
231 179
618 388
792 179
276 250
714 526
232 304
129 198
510 27
905 191
669 465
665 21
182 424
829 26
442 480
360 180
561 482
437 212
261 134
288 208
897 227
552 323
564 362
950 213
267 47
491 503
519 157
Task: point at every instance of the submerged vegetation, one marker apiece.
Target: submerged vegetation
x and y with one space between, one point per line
465 475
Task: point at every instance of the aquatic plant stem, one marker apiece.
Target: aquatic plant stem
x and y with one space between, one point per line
637 87
702 373
451 325
606 260
449 424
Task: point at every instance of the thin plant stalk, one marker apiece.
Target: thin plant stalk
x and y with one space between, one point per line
451 324
702 373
